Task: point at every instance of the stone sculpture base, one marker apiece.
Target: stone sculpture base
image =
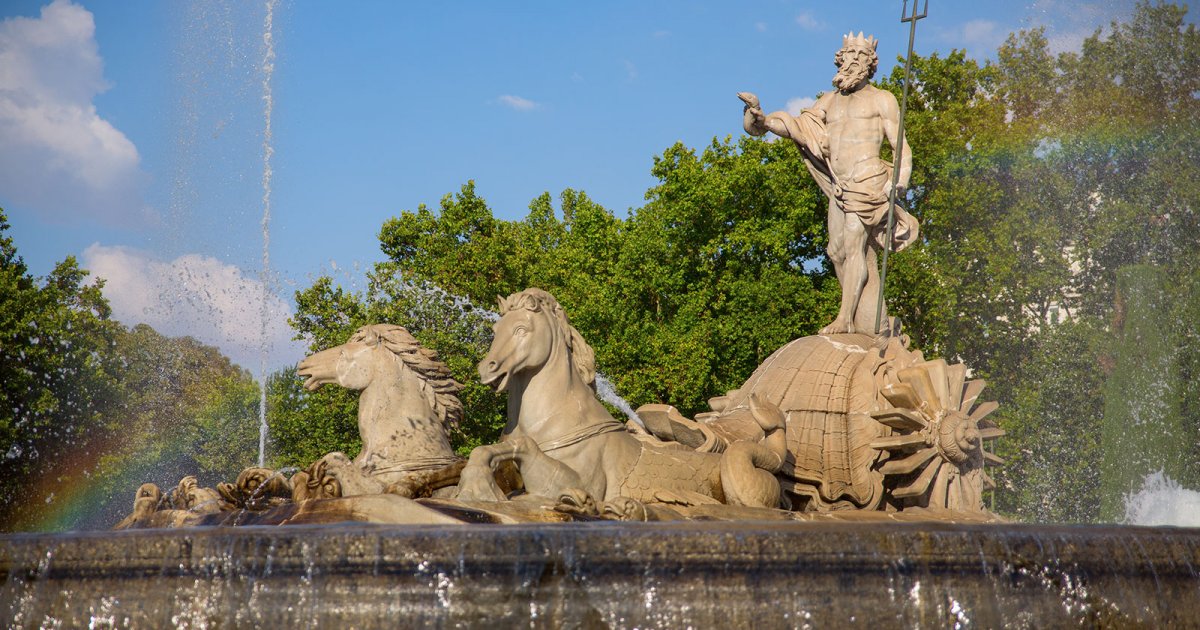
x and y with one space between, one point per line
717 574
389 509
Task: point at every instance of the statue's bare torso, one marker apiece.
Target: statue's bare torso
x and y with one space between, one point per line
857 124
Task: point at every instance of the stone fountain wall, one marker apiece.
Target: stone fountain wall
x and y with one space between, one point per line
606 574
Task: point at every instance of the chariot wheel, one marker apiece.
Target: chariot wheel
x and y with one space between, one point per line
936 455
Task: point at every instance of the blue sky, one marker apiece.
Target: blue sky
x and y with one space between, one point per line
133 129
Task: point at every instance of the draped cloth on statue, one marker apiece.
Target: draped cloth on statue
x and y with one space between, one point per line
865 196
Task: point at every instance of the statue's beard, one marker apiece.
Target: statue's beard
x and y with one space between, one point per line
850 76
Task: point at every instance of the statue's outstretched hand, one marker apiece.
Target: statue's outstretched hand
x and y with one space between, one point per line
754 121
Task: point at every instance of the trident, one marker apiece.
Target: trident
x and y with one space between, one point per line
891 216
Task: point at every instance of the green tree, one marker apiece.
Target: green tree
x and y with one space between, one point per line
721 267
1143 430
57 377
1093 174
222 433
1053 447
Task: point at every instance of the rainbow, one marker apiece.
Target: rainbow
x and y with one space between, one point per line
86 487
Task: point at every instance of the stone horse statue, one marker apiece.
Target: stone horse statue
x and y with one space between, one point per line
407 406
569 448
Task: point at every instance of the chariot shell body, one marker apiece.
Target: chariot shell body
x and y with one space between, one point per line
869 425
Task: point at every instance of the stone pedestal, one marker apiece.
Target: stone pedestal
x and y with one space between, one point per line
745 574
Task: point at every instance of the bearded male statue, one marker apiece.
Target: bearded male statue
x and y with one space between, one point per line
840 137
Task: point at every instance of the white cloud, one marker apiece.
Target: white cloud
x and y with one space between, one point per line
60 158
1067 24
979 37
985 30
198 296
631 70
794 105
761 27
517 103
809 22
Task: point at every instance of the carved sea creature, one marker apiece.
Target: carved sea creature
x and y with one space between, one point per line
568 446
191 496
147 500
257 489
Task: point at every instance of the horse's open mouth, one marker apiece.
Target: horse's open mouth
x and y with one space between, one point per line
313 374
311 383
491 379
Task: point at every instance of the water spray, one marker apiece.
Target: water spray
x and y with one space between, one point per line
268 70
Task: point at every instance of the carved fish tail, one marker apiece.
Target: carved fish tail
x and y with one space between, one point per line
748 469
774 425
747 477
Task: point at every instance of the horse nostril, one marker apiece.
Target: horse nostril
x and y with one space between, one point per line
491 366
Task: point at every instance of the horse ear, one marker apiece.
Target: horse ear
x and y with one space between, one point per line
499 304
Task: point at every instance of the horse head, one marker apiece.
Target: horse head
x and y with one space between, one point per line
531 328
353 365
385 353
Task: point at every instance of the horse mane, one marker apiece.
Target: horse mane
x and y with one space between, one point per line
434 374
583 358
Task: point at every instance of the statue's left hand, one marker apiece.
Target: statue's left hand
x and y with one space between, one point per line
750 99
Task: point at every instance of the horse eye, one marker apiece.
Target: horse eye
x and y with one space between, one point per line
519 330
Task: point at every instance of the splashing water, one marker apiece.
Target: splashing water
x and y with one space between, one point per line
268 70
430 290
607 393
1162 501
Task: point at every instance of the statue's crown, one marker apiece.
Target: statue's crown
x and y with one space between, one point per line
850 40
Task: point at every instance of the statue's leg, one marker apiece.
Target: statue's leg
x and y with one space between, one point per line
847 242
542 474
478 480
835 219
350 475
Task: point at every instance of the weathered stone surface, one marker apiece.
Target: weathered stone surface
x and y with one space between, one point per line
747 574
407 406
570 449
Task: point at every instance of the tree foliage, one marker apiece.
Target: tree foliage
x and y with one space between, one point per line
1084 172
681 299
57 370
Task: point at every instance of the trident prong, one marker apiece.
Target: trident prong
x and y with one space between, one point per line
904 17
